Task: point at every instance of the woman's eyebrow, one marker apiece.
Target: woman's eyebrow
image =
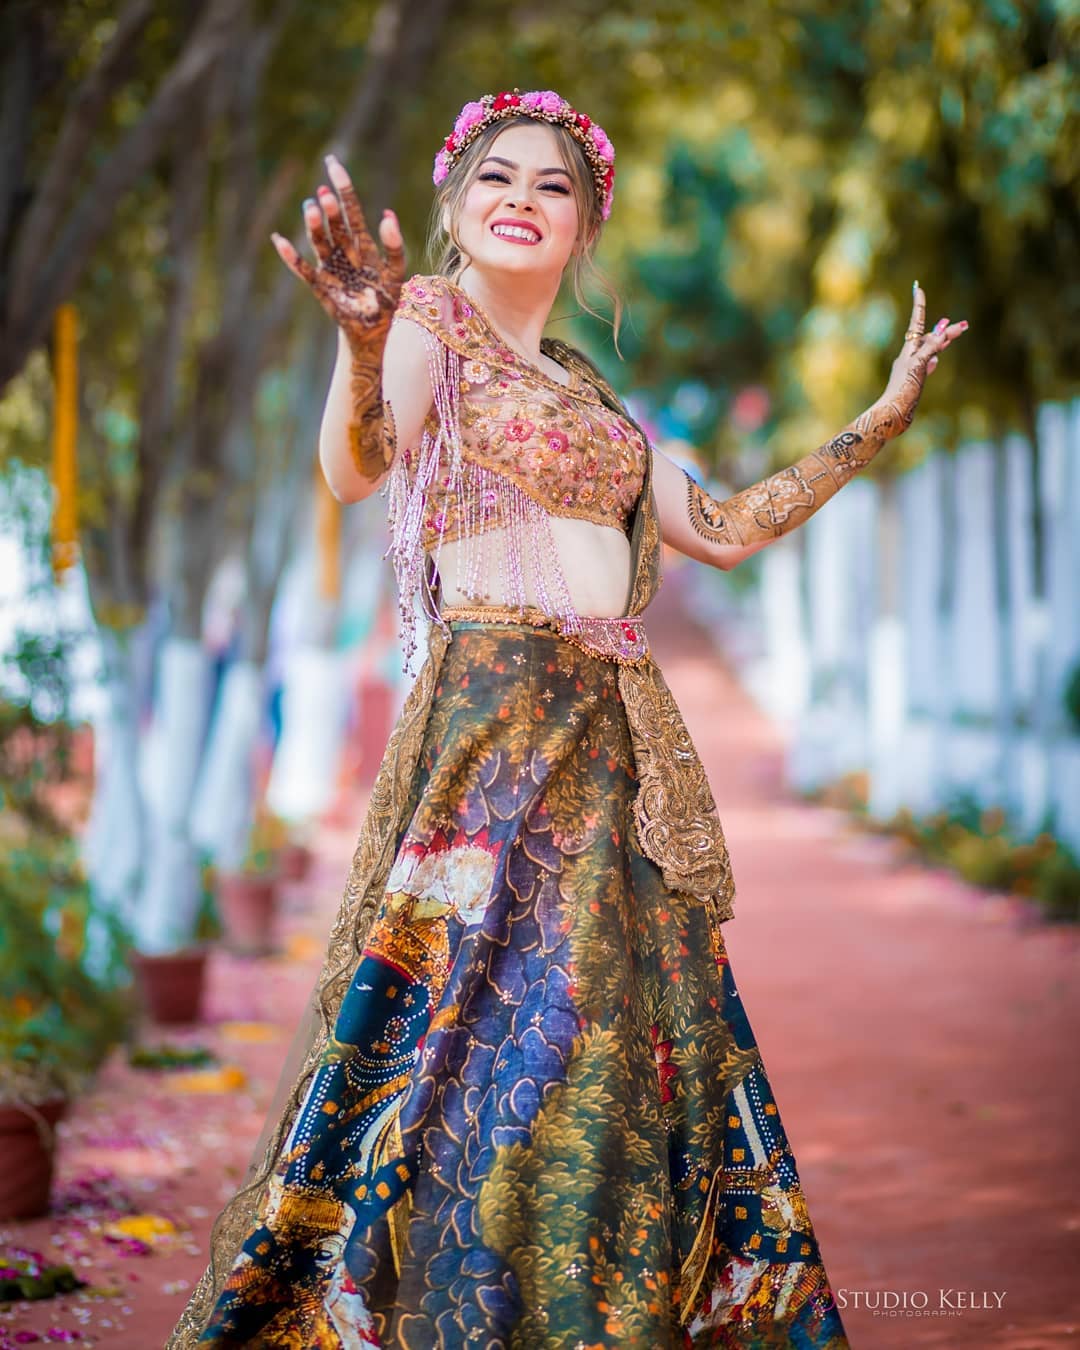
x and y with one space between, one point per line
497 159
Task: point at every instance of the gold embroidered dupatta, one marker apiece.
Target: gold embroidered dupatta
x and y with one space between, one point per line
676 818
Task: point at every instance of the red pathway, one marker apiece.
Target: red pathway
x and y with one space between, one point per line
920 1038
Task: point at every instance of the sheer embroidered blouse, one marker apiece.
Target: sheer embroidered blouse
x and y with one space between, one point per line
504 448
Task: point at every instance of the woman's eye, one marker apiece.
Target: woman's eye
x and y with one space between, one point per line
495 176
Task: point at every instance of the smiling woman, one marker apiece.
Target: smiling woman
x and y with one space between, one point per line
529 1110
567 172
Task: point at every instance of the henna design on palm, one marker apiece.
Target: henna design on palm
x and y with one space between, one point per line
359 288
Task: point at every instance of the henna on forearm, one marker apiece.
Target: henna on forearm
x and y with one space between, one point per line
785 499
369 309
359 290
372 435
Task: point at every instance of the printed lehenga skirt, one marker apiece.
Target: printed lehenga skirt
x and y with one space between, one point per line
542 1119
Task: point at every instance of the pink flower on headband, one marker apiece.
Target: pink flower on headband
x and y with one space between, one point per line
468 117
603 145
442 166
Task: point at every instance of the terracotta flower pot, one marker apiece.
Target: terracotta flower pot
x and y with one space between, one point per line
171 985
294 862
28 1148
248 904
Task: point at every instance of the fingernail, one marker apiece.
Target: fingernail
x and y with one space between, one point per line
963 323
914 287
331 158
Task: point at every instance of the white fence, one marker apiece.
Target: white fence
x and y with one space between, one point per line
924 631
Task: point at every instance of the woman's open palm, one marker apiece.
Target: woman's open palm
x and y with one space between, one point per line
354 283
918 358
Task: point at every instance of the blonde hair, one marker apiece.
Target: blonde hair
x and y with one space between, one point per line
448 257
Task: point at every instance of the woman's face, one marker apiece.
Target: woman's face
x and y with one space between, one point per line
519 214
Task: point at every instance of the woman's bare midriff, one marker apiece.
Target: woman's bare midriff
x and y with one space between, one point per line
595 560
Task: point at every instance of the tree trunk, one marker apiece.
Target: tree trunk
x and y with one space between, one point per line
169 899
1008 789
114 847
224 799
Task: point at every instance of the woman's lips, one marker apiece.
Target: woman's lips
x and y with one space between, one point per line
515 232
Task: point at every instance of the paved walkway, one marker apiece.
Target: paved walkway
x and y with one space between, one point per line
920 1038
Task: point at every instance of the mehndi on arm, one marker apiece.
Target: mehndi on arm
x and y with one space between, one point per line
372 434
777 504
740 525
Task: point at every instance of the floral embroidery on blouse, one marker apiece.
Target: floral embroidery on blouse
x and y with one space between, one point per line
561 445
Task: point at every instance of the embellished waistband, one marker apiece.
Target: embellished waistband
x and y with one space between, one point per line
621 640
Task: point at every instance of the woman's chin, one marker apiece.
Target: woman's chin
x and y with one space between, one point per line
516 258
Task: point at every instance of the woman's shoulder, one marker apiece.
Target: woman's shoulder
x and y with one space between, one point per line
450 314
431 301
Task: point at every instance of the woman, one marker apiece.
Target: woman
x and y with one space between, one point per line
530 1109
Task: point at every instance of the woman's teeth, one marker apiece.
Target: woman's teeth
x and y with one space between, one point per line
516 232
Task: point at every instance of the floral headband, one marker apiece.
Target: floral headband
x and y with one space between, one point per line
545 106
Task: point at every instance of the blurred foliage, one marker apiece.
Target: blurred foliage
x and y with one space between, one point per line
36 736
59 1020
170 1056
767 231
977 842
269 835
29 1275
60 1012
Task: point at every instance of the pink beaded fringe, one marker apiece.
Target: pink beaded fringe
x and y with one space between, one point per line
504 535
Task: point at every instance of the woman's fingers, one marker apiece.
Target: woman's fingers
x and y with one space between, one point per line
335 220
917 322
940 336
316 228
390 234
354 215
293 261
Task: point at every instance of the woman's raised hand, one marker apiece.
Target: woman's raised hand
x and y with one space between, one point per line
918 358
354 283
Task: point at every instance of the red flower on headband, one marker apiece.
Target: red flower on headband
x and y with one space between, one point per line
505 101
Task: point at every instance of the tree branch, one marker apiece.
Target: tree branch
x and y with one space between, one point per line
38 295
15 118
77 129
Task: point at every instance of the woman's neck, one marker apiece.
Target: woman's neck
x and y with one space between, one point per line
519 308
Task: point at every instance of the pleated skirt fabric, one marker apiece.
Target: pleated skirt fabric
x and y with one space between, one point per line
542 1119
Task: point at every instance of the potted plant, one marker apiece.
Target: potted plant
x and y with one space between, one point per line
172 985
64 1009
294 859
248 896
